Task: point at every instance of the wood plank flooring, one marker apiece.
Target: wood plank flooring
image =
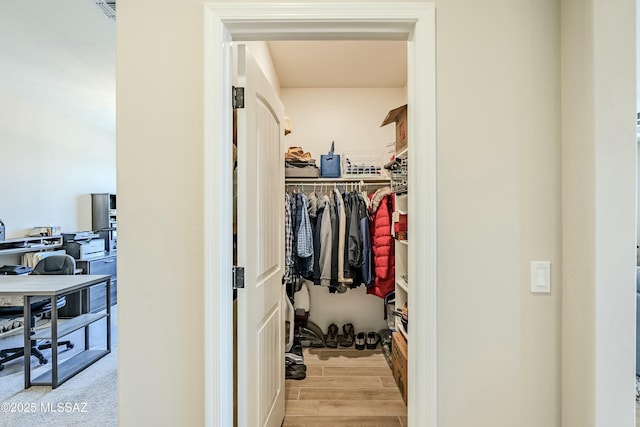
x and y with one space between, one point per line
344 388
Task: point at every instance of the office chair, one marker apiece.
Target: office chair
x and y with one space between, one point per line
54 264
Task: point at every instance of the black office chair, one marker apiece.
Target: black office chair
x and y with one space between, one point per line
53 264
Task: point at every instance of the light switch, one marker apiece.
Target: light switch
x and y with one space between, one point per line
540 276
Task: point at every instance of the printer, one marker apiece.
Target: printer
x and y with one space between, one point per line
83 245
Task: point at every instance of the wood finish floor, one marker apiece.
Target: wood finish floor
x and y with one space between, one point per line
344 388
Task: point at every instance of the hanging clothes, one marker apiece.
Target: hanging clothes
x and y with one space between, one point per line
366 270
316 241
313 210
329 240
326 243
288 241
348 272
295 225
354 246
343 279
333 216
359 240
382 243
305 239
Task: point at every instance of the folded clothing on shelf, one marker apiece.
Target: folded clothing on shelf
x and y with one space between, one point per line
299 164
297 153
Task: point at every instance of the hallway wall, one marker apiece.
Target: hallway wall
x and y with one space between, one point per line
499 207
499 203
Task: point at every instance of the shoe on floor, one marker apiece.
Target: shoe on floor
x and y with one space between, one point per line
295 366
360 341
348 335
372 340
295 372
293 358
332 336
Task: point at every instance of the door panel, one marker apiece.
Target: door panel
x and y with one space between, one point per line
260 249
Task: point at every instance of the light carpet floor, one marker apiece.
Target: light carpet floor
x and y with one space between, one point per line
87 399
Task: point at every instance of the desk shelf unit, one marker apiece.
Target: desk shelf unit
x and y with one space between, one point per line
62 371
75 364
69 326
21 245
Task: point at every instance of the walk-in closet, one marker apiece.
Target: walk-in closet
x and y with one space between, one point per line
345 285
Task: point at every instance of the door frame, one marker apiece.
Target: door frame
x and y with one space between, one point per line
227 22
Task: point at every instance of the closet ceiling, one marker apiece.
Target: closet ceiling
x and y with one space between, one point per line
62 55
340 64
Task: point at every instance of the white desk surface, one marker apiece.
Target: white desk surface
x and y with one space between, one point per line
47 284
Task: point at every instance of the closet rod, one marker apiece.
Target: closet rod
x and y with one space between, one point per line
375 181
336 184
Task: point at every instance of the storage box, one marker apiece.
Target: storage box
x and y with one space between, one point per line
399 116
307 172
399 221
399 363
361 165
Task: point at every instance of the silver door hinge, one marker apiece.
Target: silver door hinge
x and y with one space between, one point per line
237 93
238 277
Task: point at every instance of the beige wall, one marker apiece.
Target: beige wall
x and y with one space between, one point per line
51 162
160 219
500 206
349 116
498 209
599 170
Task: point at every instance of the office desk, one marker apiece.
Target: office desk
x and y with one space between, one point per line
38 287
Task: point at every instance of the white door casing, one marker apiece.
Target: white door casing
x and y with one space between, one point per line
240 21
260 245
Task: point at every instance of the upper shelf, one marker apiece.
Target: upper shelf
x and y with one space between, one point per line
20 245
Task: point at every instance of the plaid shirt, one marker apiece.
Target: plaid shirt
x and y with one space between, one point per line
288 240
305 238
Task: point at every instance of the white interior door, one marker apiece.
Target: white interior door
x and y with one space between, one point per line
260 350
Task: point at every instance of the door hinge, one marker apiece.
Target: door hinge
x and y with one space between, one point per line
237 93
238 277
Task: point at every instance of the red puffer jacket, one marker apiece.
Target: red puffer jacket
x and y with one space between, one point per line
382 244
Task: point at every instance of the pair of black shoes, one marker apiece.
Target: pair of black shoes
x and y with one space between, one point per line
347 338
370 341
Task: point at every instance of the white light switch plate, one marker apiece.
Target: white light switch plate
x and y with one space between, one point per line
540 276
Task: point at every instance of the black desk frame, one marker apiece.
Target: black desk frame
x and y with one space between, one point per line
60 372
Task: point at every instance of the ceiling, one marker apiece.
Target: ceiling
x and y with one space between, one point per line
62 55
340 64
